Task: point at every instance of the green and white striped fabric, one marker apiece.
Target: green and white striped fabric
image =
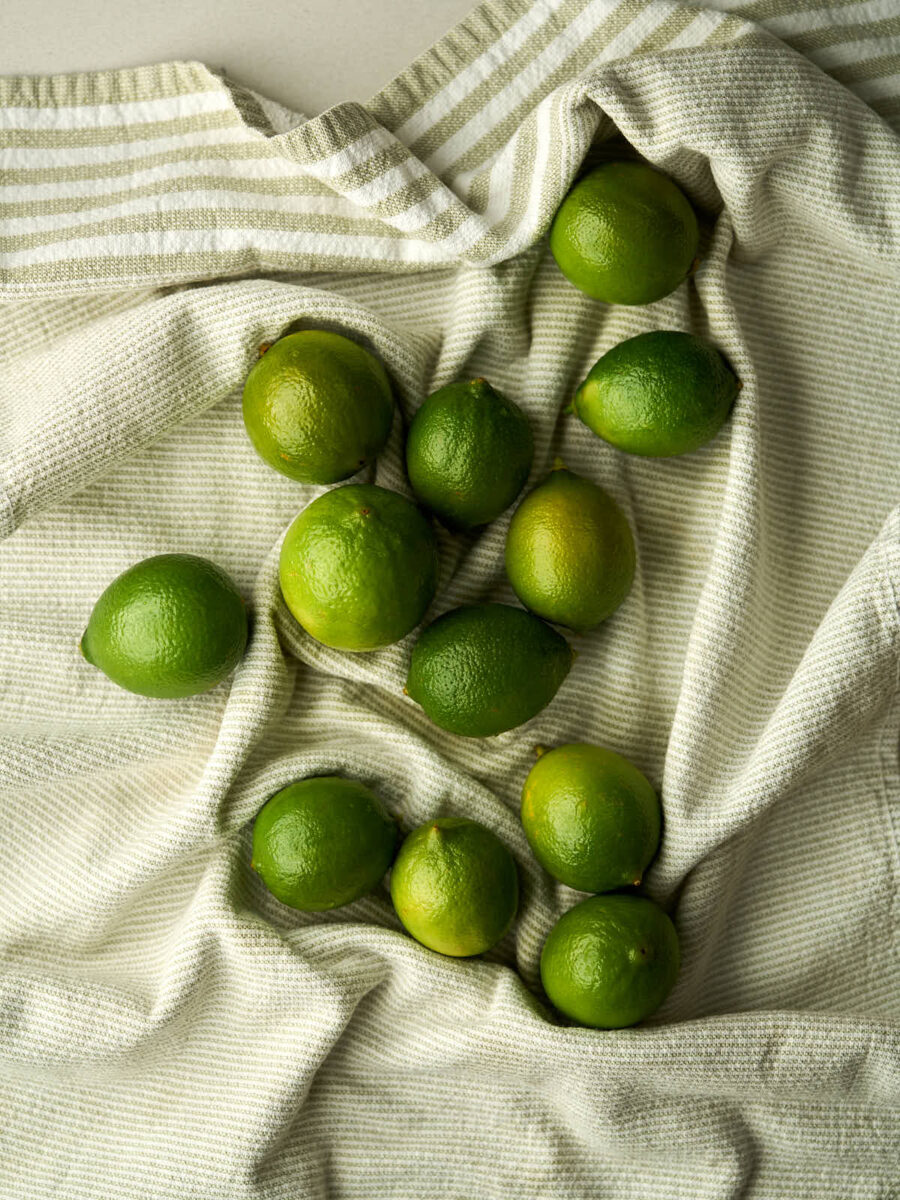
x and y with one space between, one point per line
167 1029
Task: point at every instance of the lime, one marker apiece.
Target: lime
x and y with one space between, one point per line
323 842
485 668
170 626
591 817
317 406
569 551
610 961
625 234
660 393
468 453
454 886
359 567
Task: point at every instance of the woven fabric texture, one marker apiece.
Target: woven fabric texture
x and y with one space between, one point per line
167 1029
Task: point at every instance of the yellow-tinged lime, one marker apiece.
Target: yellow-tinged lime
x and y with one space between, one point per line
569 551
454 886
318 407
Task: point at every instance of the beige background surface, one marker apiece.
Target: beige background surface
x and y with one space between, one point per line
308 55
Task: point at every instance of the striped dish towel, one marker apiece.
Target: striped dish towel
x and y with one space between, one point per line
167 1029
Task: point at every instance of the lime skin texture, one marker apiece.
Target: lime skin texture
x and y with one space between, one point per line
323 842
468 453
170 626
485 668
317 406
658 394
625 233
591 817
359 567
455 887
570 553
610 961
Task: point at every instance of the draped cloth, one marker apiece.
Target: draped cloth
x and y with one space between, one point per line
167 1028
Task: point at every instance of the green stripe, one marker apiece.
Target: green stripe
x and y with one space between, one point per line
250 109
888 108
839 35
153 82
443 225
404 198
193 219
111 135
176 268
295 185
327 134
549 201
877 67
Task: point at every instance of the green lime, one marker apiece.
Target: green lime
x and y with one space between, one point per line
170 626
569 552
323 842
454 886
591 817
468 453
658 394
359 567
317 406
625 234
485 668
610 961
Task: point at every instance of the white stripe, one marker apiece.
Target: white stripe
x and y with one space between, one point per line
101 156
855 15
500 182
427 210
220 201
129 113
263 168
408 221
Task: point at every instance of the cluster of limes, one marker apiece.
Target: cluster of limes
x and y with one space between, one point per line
359 569
591 818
